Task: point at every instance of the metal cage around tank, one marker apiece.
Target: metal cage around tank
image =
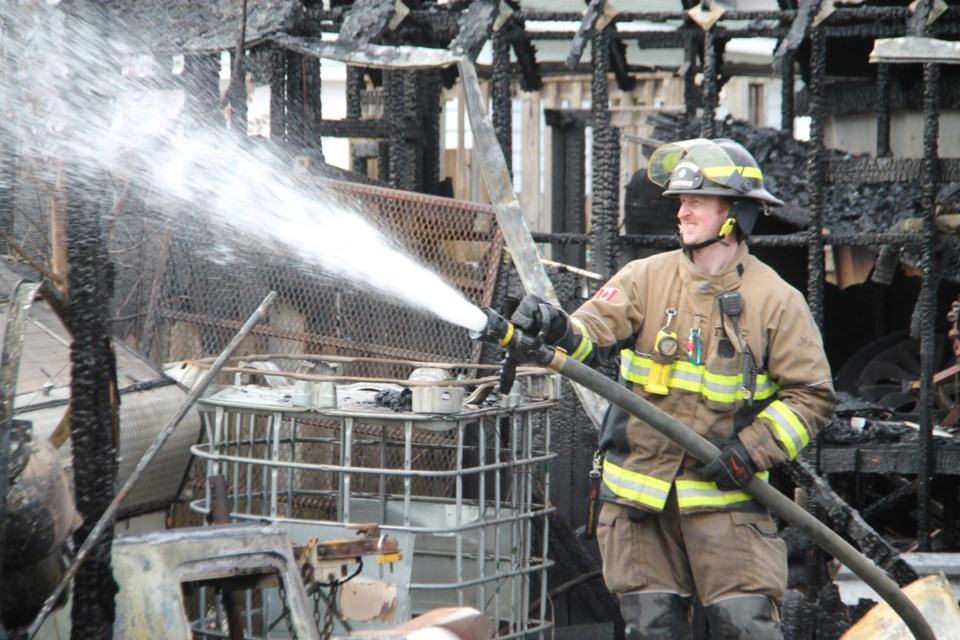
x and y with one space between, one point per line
467 480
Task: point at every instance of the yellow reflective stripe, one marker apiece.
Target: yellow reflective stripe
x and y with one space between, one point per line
766 387
695 378
729 170
694 494
583 351
791 432
635 486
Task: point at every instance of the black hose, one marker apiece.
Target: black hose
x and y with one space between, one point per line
778 503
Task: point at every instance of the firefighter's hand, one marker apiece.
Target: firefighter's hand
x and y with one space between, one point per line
537 317
731 469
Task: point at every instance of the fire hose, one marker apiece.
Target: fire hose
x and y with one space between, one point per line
526 348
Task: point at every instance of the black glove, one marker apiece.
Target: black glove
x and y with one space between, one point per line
537 317
733 468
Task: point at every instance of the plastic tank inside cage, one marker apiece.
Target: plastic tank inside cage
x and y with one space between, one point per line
465 476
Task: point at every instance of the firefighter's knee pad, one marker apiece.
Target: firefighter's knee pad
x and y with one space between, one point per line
656 616
742 617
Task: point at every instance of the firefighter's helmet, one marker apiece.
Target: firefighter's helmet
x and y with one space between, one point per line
720 167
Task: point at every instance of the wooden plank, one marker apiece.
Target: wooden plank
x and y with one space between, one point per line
530 159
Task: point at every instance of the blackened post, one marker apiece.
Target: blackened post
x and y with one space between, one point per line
883 110
927 303
816 174
787 101
605 176
710 87
502 116
567 207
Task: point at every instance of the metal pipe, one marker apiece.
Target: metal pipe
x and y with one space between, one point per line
109 514
532 349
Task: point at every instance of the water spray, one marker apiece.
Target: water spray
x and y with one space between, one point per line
522 347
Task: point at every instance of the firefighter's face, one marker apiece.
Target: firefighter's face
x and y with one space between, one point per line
701 216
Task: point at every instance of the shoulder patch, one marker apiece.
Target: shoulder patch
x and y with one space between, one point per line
607 294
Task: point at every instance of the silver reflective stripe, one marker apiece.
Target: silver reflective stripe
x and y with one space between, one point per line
791 432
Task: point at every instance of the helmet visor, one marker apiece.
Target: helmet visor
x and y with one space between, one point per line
714 163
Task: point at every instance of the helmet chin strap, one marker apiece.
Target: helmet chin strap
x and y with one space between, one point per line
721 237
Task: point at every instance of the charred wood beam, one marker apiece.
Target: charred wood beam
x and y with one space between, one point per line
908 489
605 178
655 16
799 28
522 43
428 114
883 110
366 20
870 170
393 116
848 522
710 92
355 87
787 95
816 174
586 32
853 96
90 278
926 308
689 69
621 68
885 459
475 26
500 97
569 182
378 128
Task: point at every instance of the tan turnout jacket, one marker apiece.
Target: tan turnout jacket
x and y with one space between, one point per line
793 396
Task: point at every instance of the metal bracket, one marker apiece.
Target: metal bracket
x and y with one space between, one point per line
707 16
400 12
504 13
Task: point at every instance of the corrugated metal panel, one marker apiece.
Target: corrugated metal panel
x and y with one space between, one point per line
147 401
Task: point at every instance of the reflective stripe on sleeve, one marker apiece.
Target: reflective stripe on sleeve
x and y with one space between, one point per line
788 427
585 348
634 486
699 494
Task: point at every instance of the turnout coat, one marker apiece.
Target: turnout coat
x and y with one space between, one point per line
775 404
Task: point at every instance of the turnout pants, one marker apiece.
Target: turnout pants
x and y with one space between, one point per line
715 554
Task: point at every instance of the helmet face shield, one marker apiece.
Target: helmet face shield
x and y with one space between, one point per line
715 167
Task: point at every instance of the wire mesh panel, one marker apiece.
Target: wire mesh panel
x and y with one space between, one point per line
471 484
184 283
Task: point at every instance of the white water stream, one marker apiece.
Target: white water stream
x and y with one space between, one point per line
225 184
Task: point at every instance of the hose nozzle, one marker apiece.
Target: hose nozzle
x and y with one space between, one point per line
497 330
521 346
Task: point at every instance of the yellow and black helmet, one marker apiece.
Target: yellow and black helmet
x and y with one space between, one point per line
720 167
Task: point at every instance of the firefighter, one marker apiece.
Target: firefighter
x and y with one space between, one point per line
717 339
